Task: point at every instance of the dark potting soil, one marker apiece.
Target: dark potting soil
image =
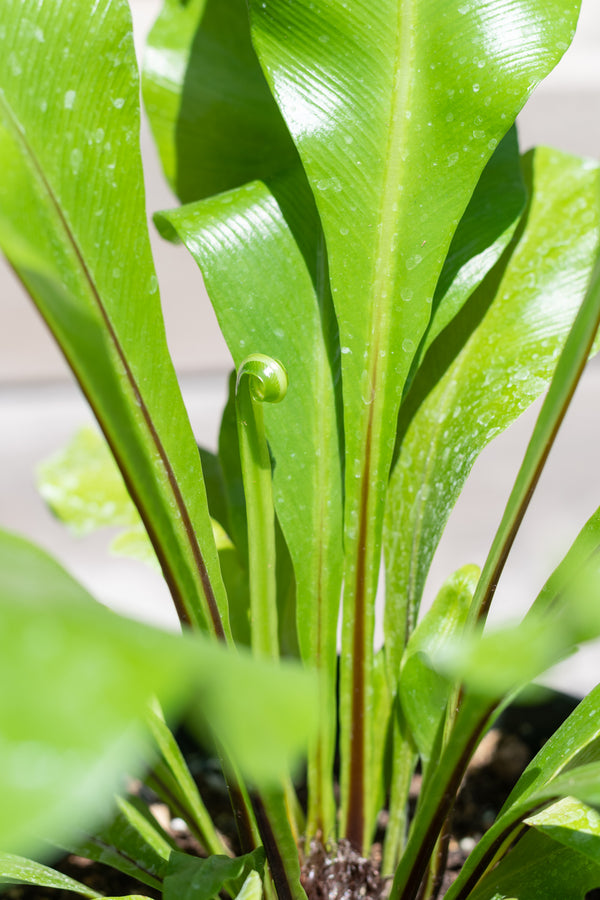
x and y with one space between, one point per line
339 873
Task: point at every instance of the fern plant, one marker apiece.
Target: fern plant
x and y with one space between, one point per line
396 284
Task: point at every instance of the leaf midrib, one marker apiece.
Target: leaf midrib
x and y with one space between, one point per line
170 576
386 255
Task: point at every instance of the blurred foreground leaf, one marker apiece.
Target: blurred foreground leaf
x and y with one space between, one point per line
77 680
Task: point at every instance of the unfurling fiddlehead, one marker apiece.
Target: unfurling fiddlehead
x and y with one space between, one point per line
260 379
267 378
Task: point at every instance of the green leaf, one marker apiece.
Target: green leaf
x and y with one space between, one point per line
231 470
131 842
483 233
73 226
72 718
83 487
569 368
443 781
428 91
251 888
215 487
18 870
189 878
181 787
395 117
249 243
577 741
80 678
572 824
260 380
564 615
507 658
423 692
519 319
567 765
573 574
207 99
538 869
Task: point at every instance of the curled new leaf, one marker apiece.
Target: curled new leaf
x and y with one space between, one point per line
267 378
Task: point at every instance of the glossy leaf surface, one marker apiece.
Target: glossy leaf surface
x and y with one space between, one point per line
249 244
538 869
18 870
214 119
73 225
483 233
572 749
395 116
569 368
74 655
576 741
428 91
519 318
423 692
572 824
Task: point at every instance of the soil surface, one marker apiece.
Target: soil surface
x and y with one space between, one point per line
339 873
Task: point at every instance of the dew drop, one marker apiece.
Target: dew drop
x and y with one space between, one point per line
408 346
366 388
119 103
413 261
69 100
76 159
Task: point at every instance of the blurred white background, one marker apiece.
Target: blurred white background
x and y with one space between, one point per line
40 407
